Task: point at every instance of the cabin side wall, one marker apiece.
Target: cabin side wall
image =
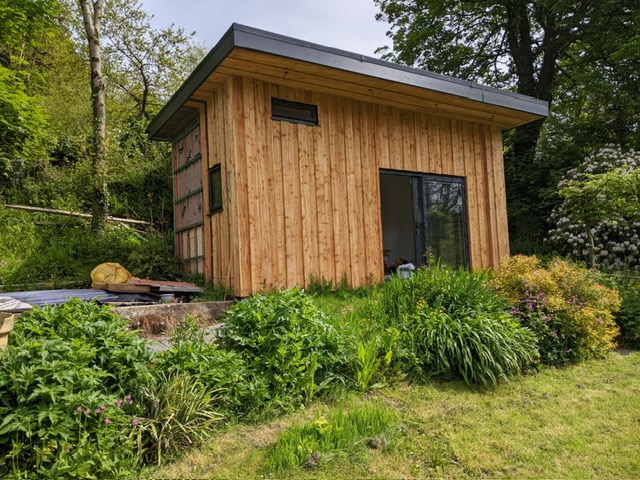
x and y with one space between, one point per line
307 198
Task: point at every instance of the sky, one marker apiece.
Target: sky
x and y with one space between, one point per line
346 24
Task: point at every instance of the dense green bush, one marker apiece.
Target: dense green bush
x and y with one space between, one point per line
628 318
566 305
239 392
452 326
288 345
68 381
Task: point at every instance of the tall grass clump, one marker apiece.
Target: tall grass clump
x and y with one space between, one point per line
180 413
315 443
288 345
451 325
566 305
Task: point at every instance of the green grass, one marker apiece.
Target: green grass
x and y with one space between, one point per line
577 422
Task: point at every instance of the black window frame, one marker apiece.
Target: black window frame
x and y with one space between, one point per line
286 111
215 204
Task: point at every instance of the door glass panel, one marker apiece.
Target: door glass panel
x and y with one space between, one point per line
445 221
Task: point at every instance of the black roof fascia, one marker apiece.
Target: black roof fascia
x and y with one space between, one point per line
267 42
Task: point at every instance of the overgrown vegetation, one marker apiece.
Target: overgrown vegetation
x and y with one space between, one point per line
62 382
289 345
66 250
82 394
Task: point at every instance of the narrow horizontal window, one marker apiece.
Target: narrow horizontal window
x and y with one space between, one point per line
295 112
215 189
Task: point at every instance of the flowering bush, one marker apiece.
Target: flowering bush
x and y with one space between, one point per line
615 232
567 307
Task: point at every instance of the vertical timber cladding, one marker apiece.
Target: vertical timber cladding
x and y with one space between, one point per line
309 196
188 201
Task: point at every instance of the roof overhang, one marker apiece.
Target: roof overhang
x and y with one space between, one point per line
260 54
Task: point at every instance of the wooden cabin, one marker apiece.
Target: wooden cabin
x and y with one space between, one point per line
295 162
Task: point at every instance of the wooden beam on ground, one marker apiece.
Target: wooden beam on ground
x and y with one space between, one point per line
74 214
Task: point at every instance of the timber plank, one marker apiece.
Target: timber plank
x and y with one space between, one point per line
352 158
252 179
322 151
471 194
279 194
339 190
502 233
484 224
491 196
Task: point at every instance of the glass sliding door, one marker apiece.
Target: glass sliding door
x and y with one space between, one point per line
432 212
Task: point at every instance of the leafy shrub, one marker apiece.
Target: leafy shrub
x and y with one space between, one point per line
628 318
567 307
311 444
61 378
451 325
288 344
238 391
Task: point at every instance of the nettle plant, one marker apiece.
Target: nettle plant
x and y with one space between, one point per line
599 218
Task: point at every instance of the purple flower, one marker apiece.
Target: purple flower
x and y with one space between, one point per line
569 350
106 420
87 411
599 320
119 404
79 409
554 333
97 410
130 402
135 420
102 407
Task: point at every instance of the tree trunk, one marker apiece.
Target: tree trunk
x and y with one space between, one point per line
92 17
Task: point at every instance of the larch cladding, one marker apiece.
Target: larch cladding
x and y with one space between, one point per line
303 202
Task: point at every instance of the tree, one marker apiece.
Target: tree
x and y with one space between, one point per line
145 64
599 217
92 18
23 135
524 45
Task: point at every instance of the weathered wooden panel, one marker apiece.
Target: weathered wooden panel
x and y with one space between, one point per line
188 201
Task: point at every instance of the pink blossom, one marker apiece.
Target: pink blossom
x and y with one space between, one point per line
79 409
102 407
106 420
87 411
135 421
119 404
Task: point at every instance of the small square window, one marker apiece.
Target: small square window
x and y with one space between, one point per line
215 189
294 112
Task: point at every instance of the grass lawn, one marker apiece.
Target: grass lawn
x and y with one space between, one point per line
577 422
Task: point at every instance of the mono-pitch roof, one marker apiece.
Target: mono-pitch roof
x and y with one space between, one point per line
277 58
